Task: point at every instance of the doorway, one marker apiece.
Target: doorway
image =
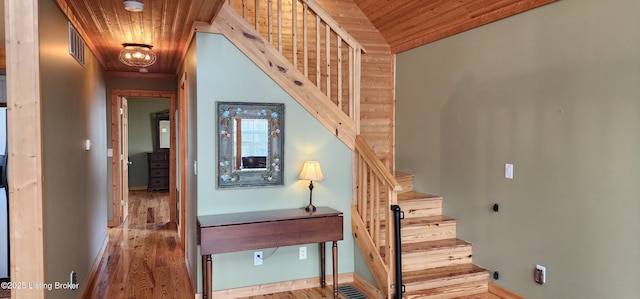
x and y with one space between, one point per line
120 159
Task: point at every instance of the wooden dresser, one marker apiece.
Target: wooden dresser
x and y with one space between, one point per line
158 171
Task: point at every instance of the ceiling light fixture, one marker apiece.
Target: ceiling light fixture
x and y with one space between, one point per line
133 6
137 55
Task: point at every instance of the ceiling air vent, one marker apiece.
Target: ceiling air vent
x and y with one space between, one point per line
76 45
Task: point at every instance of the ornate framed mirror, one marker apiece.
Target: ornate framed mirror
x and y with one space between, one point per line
250 144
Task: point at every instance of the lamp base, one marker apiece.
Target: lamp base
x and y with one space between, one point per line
310 208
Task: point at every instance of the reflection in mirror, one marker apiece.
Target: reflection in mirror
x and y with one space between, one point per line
163 127
250 144
162 138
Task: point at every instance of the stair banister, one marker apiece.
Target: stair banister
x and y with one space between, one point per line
375 187
328 52
376 193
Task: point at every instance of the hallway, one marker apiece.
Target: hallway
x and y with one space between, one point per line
143 258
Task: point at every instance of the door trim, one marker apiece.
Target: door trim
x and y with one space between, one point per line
183 160
115 145
24 144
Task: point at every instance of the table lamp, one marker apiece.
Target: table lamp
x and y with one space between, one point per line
311 171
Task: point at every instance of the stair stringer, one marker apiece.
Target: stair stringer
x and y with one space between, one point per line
280 70
377 266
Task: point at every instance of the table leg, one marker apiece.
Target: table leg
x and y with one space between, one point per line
323 281
206 276
335 269
203 260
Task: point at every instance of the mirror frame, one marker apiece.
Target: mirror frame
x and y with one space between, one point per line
228 176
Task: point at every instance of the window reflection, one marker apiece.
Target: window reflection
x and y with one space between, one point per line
251 142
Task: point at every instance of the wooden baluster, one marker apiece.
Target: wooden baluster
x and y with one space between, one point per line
257 12
355 101
318 51
376 207
365 187
244 9
351 84
280 26
327 49
294 32
371 200
269 21
361 184
305 30
340 72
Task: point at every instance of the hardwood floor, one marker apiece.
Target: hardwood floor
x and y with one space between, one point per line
326 293
301 294
143 258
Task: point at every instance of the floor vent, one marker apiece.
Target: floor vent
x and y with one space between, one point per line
349 292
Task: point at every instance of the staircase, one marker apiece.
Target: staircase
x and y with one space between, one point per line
435 264
318 63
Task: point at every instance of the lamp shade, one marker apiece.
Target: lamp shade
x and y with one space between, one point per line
133 6
311 171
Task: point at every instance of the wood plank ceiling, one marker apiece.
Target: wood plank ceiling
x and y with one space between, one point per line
167 24
164 24
407 24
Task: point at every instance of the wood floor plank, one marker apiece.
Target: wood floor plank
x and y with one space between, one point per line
142 259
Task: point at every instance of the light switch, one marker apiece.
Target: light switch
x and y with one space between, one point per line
87 144
508 171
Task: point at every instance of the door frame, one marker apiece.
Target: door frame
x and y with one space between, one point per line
115 145
182 110
24 142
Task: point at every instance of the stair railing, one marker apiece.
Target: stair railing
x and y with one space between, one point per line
314 43
377 190
397 216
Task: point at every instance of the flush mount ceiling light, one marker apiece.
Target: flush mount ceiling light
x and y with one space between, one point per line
133 6
137 55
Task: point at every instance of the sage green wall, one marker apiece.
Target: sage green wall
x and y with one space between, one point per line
132 84
73 109
142 124
225 74
555 92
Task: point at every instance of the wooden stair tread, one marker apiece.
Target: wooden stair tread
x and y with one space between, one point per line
402 175
413 195
431 245
442 273
427 221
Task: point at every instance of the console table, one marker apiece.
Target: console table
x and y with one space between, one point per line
265 229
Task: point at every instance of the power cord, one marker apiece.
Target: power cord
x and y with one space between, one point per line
268 255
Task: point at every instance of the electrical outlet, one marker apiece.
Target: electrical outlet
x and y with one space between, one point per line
303 252
73 277
540 274
257 258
